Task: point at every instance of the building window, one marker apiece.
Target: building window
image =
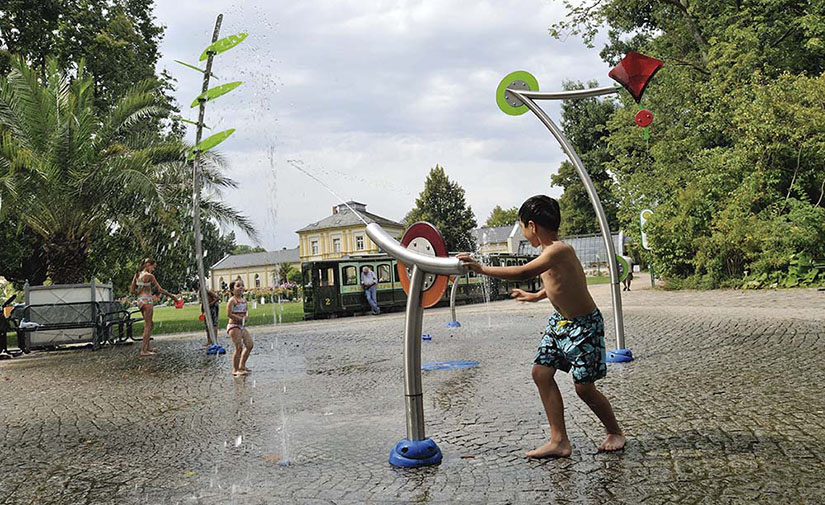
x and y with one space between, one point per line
336 245
350 276
359 242
257 281
314 247
222 284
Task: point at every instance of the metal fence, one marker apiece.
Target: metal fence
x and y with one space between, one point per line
589 248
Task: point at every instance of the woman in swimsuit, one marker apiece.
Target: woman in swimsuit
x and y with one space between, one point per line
142 285
241 339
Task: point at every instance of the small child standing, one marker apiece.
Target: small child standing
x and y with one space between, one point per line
241 339
574 336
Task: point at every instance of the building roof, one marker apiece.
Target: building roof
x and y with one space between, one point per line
490 235
343 217
258 259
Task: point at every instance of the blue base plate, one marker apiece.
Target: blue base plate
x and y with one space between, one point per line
215 349
414 453
453 324
619 356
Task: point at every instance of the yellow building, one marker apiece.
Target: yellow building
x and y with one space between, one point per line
342 234
256 270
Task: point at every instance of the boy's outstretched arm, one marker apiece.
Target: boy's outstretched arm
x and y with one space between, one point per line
524 296
514 273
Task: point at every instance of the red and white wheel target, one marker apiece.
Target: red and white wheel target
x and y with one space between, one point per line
424 238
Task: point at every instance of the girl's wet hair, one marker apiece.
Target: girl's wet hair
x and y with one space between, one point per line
143 265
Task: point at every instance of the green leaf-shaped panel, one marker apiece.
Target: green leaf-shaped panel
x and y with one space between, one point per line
210 142
224 44
212 93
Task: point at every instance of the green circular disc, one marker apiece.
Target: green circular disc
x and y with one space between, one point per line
520 80
624 267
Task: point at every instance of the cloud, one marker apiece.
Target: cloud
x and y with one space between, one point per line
370 94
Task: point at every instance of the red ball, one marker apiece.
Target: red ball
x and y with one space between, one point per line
643 118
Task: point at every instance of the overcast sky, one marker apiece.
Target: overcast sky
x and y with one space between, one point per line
369 95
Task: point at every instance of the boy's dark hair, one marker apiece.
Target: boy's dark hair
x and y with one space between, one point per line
542 210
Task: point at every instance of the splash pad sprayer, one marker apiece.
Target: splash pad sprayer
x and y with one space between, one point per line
518 92
453 323
423 268
201 146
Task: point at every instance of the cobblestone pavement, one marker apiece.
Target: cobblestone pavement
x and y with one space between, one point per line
724 404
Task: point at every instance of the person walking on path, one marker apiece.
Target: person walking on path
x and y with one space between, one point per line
574 336
143 284
241 339
368 282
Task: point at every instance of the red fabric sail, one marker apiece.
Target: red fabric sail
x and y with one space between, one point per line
634 73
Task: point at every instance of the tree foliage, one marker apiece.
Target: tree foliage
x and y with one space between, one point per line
502 217
585 126
247 249
735 167
81 180
442 204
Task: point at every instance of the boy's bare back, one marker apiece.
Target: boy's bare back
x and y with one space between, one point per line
564 282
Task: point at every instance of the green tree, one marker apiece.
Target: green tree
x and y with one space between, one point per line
73 176
294 276
585 126
247 249
502 217
734 164
442 204
118 39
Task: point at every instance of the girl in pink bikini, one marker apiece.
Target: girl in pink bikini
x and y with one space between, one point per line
142 284
241 339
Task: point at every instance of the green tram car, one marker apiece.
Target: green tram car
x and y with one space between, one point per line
333 287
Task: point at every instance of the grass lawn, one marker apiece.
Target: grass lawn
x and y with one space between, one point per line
598 279
172 320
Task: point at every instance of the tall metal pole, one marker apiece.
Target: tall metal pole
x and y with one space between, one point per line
525 97
196 193
413 392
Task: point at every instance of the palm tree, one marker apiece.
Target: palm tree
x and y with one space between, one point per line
70 174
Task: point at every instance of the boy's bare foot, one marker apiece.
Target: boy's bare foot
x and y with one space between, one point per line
245 369
147 353
613 442
239 373
552 449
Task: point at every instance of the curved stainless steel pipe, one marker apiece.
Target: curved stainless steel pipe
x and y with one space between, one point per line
616 296
567 95
430 264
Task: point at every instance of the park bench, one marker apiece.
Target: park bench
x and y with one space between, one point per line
62 318
113 315
7 325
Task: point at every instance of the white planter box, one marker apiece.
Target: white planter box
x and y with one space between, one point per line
64 293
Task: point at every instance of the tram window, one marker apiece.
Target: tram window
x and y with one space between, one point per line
397 279
384 273
350 276
326 277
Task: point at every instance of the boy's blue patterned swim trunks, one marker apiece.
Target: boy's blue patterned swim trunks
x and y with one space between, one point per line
576 343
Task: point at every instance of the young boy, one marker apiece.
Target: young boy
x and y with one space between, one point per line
574 337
